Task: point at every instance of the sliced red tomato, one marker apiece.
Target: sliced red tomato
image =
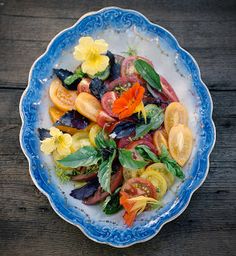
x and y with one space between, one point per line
139 187
143 141
116 181
84 177
123 81
107 102
83 86
127 67
167 90
123 142
103 118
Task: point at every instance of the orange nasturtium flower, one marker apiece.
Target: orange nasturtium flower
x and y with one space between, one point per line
134 206
129 102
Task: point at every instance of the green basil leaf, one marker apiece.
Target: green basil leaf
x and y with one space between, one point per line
78 74
111 205
148 73
104 142
85 156
127 161
104 172
156 117
170 163
70 79
146 153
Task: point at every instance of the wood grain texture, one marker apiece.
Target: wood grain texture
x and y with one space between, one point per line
28 225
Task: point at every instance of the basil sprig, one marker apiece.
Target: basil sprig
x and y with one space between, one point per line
148 73
72 78
85 156
155 116
170 163
127 161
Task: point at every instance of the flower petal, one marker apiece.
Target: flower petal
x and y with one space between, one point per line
64 144
94 65
48 146
81 51
55 132
88 67
101 46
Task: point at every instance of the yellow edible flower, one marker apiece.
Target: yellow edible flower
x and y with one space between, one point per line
59 143
141 109
90 52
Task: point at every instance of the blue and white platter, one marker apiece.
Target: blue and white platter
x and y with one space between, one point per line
121 29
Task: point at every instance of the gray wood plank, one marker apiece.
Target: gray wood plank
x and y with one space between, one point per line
156 10
28 225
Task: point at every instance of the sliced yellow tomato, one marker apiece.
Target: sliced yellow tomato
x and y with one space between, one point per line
175 114
158 180
62 98
180 143
128 173
161 168
87 105
95 129
87 129
55 113
79 140
160 138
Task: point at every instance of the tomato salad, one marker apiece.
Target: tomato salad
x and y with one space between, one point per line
119 132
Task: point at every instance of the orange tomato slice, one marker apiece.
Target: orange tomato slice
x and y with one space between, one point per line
87 105
55 114
160 138
175 114
62 98
180 143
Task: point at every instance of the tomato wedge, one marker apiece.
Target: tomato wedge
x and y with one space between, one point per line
167 90
99 195
128 69
103 118
55 114
123 142
145 142
123 81
160 138
88 106
84 177
83 86
107 102
139 187
62 98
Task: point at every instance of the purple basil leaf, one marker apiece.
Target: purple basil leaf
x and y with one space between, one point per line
73 119
86 191
123 129
62 74
43 133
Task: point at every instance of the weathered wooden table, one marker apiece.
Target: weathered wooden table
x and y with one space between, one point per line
28 225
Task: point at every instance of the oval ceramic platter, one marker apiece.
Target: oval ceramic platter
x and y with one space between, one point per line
121 29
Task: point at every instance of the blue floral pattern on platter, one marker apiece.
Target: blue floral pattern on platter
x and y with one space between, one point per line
120 20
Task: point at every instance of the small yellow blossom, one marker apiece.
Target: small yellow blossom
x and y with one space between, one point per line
59 143
141 109
90 52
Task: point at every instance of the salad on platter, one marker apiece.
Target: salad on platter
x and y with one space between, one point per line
119 132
